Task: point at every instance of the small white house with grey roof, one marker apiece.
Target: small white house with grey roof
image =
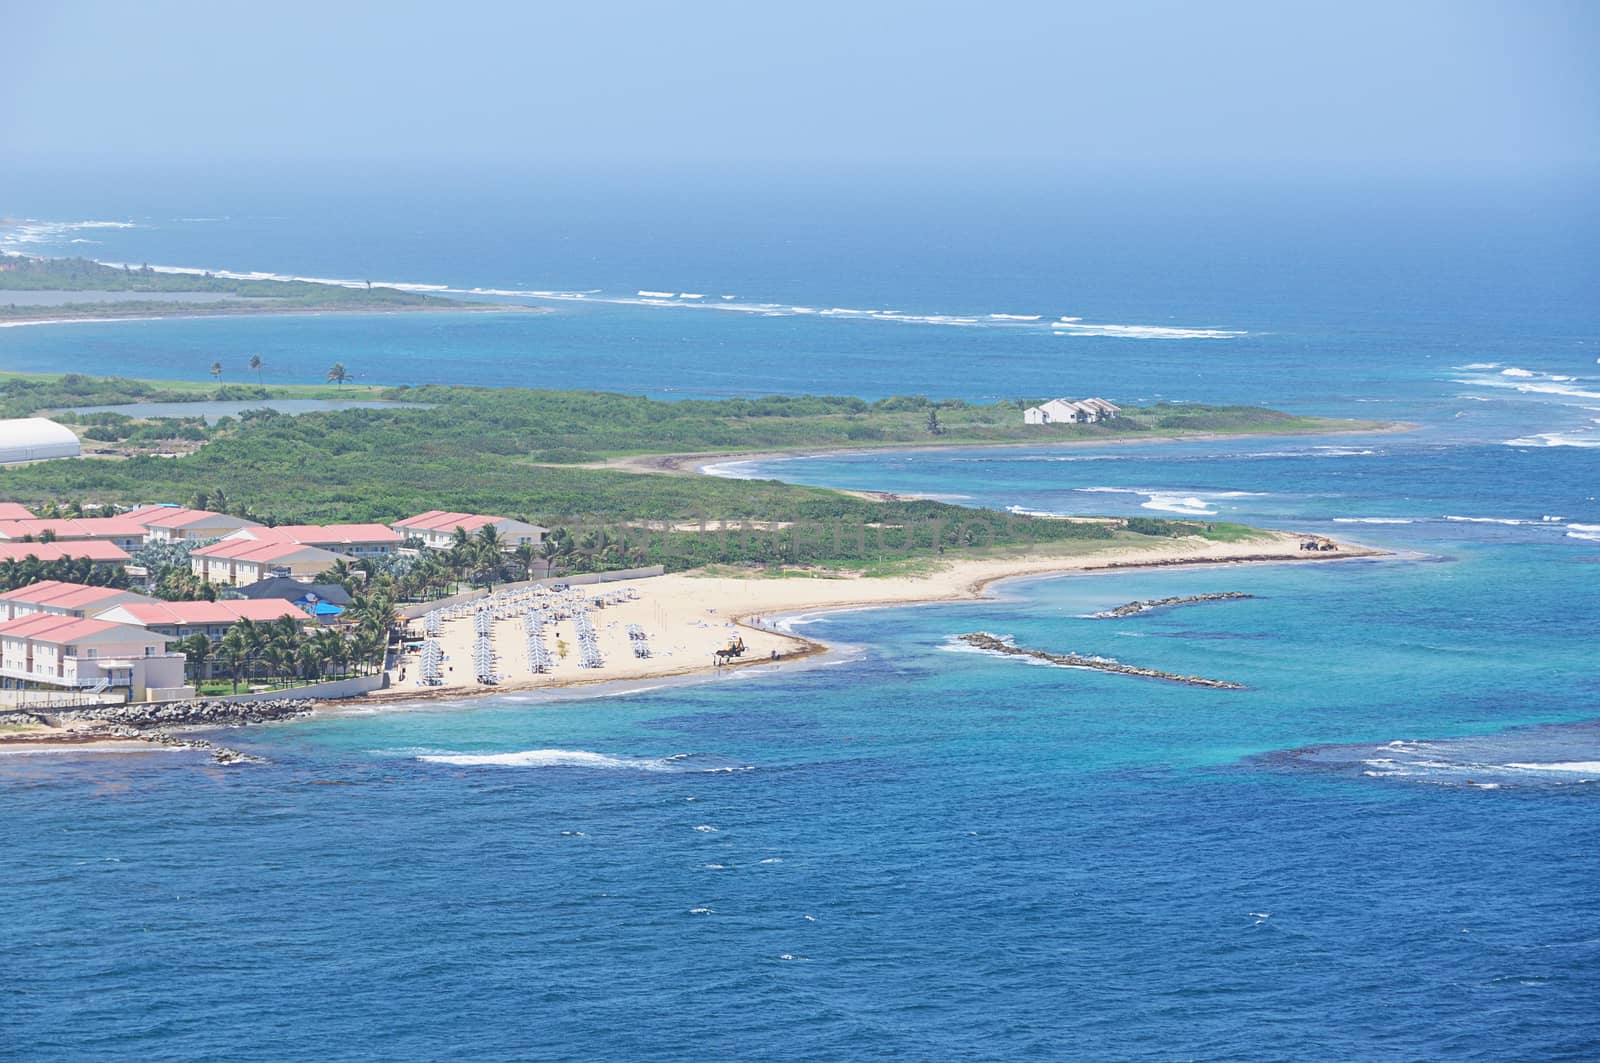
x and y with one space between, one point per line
1066 411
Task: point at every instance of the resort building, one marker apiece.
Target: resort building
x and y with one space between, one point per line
324 601
96 656
437 529
125 533
64 599
1065 411
14 511
359 540
1109 411
35 439
235 562
174 524
179 620
101 553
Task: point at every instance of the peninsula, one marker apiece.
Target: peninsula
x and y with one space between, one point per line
80 289
597 539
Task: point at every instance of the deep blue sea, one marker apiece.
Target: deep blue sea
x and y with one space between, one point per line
1386 847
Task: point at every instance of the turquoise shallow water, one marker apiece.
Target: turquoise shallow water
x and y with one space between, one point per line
1384 847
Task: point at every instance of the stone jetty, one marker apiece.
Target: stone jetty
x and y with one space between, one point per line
1135 608
983 640
147 723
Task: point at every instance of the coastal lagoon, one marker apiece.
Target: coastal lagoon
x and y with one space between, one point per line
1382 848
215 411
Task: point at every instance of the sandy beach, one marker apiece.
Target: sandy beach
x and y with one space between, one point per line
688 617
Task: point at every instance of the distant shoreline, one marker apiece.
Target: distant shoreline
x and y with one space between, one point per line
178 311
695 463
764 612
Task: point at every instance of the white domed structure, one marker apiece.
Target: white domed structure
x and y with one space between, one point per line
34 439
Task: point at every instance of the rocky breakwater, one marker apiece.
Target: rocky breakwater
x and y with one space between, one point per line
1001 644
1135 608
148 723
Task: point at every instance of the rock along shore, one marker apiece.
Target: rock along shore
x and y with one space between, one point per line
147 723
983 640
1135 608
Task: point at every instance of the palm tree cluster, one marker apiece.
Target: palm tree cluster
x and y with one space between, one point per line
15 573
282 650
479 560
595 550
54 510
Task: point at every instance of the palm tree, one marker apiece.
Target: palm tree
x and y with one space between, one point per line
309 660
526 554
331 649
337 374
339 572
255 363
196 650
486 555
216 371
234 653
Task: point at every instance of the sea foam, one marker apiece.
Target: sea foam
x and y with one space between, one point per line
575 758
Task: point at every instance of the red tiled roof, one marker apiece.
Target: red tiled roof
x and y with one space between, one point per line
224 612
14 511
93 549
176 517
252 549
59 594
440 520
73 528
51 627
318 534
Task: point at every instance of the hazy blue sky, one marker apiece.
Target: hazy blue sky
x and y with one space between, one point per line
1371 85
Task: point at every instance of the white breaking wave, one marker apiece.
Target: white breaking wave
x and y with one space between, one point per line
1145 332
1556 439
1586 767
731 470
1488 520
44 232
1171 501
1373 520
1531 384
1591 532
1514 371
567 758
26 233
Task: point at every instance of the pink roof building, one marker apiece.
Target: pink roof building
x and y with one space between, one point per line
63 599
96 550
362 540
125 533
236 562
177 524
69 653
437 528
14 511
213 619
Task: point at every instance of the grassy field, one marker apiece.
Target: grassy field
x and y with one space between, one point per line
520 452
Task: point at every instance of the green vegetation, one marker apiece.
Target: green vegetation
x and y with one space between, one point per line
243 296
30 570
285 653
25 394
488 451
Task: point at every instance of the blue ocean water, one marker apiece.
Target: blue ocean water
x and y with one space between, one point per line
1384 847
